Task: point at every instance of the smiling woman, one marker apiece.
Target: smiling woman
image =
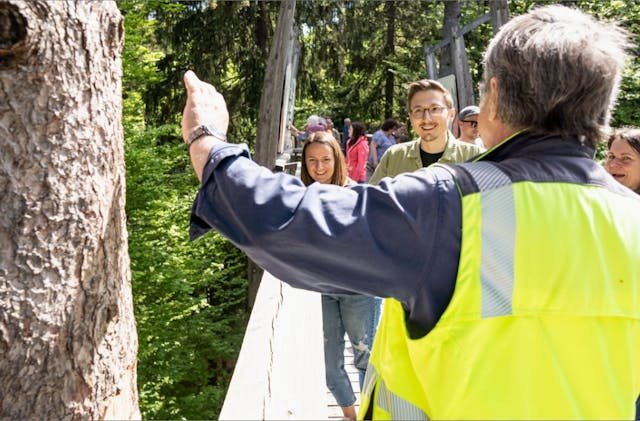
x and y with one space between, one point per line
353 314
623 157
322 161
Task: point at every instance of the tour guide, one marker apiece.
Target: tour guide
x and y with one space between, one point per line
516 277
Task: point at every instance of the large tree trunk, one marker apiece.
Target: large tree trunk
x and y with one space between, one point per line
67 335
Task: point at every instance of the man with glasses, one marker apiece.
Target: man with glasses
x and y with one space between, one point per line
468 123
431 112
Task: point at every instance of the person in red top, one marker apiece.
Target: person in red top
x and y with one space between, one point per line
357 152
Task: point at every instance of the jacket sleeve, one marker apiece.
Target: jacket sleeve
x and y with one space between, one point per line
380 240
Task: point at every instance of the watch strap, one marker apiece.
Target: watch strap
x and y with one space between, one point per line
205 131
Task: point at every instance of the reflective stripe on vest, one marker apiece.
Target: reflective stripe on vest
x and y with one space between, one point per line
389 401
496 274
498 238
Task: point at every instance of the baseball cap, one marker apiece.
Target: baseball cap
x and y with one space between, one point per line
468 112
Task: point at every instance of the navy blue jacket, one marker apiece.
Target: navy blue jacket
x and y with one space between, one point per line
398 239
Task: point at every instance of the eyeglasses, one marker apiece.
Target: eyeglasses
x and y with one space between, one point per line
431 111
473 124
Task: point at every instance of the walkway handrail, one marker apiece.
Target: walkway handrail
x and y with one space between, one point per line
280 370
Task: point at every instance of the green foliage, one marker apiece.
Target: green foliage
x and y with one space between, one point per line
139 57
343 61
232 57
190 298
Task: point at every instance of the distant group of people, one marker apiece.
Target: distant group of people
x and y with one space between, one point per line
509 268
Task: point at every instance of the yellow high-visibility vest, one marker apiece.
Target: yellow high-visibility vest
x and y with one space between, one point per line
544 321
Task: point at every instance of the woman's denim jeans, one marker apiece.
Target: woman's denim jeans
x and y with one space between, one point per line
353 314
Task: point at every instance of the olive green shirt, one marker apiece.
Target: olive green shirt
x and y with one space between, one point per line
405 157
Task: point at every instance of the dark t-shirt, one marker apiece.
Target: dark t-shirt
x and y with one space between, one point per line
429 158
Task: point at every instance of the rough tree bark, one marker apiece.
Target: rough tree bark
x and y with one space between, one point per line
68 342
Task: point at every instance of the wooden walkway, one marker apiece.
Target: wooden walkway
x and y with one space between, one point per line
273 378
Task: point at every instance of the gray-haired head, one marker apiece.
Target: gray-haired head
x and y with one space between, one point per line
558 71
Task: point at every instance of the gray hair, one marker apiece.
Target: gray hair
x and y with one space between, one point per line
558 72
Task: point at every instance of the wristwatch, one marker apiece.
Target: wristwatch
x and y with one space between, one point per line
205 131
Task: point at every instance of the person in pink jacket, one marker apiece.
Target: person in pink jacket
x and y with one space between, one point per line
357 152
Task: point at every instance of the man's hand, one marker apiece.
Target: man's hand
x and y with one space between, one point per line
205 106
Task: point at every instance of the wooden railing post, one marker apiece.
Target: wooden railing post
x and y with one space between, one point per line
430 62
280 370
461 70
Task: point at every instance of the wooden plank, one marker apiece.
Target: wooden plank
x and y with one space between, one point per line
473 25
286 115
280 369
430 63
288 167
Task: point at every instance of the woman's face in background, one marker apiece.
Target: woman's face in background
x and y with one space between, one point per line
623 163
320 162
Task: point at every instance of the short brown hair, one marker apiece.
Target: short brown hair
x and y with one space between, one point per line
428 85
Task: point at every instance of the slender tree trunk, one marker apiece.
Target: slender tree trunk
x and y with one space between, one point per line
268 130
389 50
68 341
451 23
261 28
500 15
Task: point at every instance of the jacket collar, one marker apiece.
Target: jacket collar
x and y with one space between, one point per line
524 143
